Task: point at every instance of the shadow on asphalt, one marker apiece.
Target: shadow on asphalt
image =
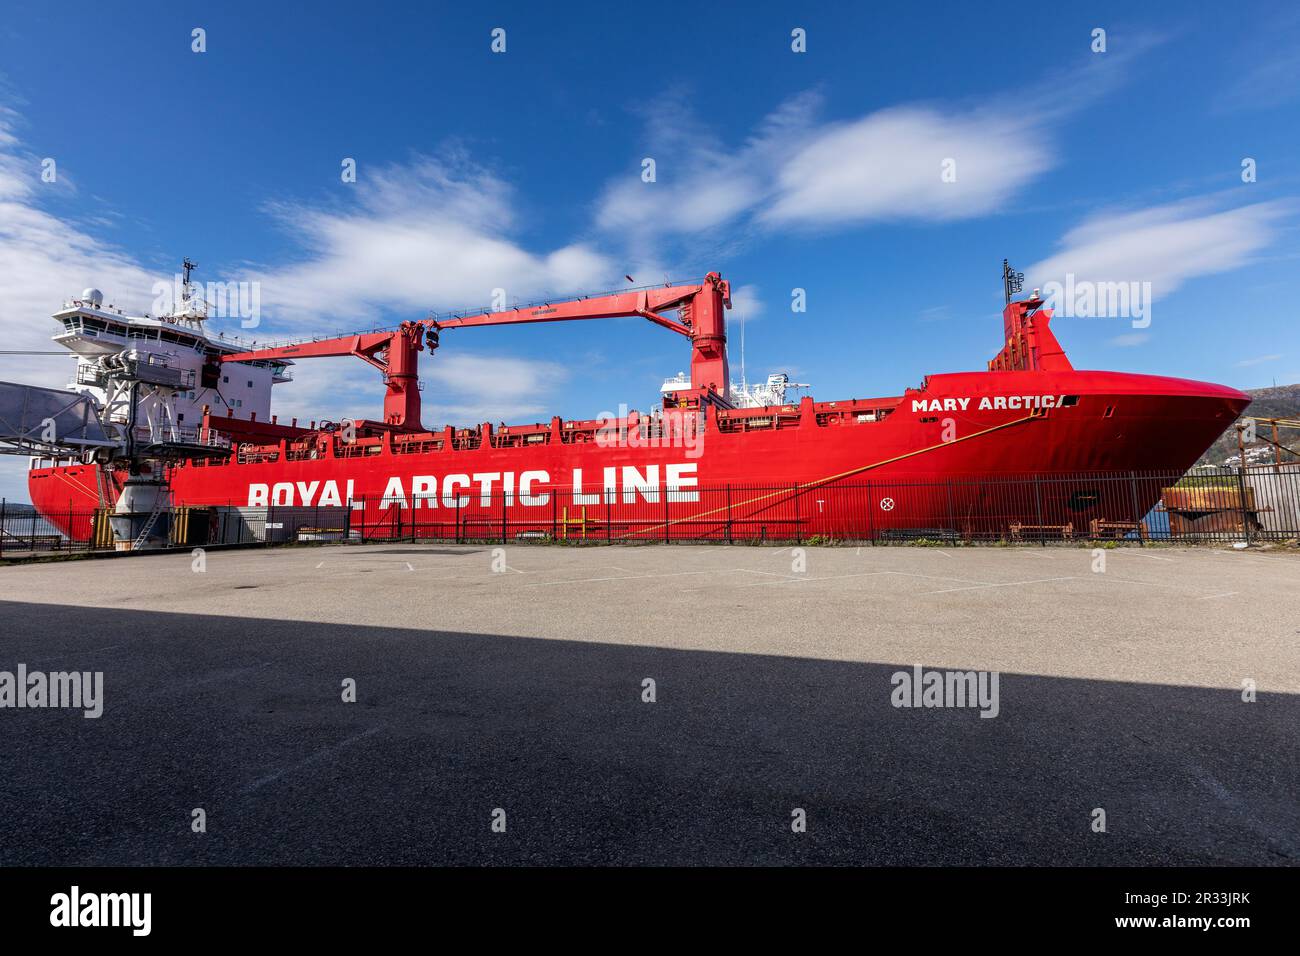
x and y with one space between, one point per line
243 718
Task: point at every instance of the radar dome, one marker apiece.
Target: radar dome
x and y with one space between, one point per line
93 296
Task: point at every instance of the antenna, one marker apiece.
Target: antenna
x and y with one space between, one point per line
1012 282
744 383
188 267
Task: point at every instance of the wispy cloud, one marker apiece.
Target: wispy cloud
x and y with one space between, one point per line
461 388
431 233
1165 245
746 302
1257 360
45 258
1130 340
1266 69
409 238
908 162
903 163
701 183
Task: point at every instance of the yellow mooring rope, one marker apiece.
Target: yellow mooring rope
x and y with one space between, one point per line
830 478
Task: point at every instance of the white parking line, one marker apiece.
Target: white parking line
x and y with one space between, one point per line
323 752
630 577
1006 584
862 574
1143 584
1141 554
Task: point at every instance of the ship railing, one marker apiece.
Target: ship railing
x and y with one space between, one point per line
180 434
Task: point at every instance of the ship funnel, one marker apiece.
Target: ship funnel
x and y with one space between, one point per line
93 296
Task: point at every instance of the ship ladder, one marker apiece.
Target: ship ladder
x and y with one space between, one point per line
99 486
149 523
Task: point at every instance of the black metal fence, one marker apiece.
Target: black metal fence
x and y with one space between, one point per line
1255 504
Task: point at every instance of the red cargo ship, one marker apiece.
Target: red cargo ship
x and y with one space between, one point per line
1030 413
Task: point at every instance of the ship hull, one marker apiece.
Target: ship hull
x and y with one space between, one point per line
946 456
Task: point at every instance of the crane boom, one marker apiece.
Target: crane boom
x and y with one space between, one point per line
701 318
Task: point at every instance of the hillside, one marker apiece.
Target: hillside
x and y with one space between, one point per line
1282 401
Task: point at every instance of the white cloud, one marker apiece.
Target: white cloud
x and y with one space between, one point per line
889 165
745 302
408 238
796 171
429 234
491 388
1164 245
459 389
45 259
1257 360
1130 340
701 183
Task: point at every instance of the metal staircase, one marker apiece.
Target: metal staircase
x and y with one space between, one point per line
149 522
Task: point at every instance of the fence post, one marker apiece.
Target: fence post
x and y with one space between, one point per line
609 500
1241 490
503 515
798 527
729 537
4 527
871 518
952 519
1038 510
555 504
1137 518
269 520
667 493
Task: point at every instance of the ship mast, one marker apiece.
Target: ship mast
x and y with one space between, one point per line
1012 281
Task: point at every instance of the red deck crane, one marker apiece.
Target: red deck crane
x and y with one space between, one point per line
701 319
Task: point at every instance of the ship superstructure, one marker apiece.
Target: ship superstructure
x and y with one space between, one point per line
153 376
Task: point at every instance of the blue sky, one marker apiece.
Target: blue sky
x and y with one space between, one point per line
522 170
